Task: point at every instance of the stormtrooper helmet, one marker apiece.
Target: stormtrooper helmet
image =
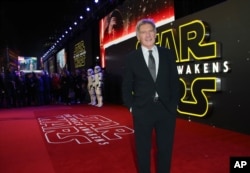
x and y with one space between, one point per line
90 72
98 69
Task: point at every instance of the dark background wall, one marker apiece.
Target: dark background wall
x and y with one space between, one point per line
184 7
229 25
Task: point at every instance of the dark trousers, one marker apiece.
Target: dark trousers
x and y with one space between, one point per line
153 116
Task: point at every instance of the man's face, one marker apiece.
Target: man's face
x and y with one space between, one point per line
147 35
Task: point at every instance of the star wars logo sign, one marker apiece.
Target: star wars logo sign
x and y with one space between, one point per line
199 64
82 129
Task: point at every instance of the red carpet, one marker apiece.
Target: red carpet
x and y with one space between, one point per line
87 139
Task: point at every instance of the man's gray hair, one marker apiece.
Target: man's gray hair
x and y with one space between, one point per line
144 21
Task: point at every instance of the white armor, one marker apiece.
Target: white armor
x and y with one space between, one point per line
98 85
91 86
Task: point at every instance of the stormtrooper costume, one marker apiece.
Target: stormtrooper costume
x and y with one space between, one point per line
98 85
91 86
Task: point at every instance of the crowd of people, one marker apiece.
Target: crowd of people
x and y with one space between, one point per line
19 89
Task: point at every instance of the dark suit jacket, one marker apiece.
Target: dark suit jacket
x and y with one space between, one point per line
138 86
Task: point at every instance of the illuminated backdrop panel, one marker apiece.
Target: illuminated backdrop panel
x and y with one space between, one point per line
119 24
27 64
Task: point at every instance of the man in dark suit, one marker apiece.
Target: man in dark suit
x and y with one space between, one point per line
153 103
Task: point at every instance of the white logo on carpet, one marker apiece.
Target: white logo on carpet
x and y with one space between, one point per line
82 129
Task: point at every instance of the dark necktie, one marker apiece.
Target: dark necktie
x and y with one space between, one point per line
151 65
